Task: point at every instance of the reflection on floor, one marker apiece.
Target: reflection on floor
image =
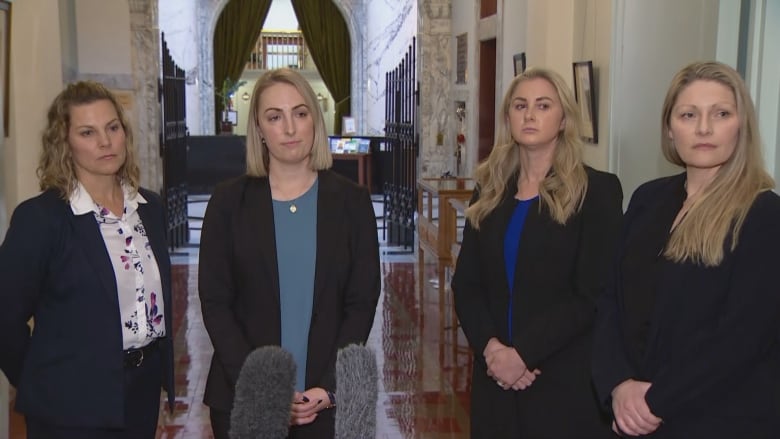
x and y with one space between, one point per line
424 364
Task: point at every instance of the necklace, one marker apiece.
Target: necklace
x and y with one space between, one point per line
293 208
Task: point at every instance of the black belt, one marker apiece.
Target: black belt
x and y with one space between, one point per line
135 357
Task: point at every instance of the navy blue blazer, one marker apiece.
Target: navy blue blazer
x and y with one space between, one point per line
54 267
710 345
238 282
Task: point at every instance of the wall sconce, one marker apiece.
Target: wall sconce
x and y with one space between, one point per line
245 97
323 101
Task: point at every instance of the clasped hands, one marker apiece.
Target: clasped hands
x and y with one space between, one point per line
629 407
505 365
306 405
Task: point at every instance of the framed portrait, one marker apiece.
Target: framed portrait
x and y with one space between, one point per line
5 50
348 126
519 62
585 94
232 116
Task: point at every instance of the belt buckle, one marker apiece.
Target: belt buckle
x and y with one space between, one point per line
136 360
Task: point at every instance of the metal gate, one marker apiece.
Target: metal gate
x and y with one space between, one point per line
173 149
400 192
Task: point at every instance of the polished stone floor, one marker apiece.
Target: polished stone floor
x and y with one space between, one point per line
423 361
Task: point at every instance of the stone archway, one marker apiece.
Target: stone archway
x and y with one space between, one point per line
208 14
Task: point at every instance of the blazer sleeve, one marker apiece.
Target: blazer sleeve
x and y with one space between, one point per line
747 328
470 306
609 363
217 287
23 266
554 328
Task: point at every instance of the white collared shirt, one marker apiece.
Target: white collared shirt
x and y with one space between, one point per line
137 276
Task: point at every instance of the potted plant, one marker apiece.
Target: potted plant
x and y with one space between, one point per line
226 92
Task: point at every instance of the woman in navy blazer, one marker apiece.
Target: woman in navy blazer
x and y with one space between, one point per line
87 261
289 256
536 247
688 337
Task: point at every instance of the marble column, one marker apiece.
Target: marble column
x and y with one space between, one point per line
145 59
434 67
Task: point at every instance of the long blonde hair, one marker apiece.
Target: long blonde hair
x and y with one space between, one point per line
716 217
257 156
563 190
55 165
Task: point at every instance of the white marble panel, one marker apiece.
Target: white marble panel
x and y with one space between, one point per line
178 23
436 112
390 28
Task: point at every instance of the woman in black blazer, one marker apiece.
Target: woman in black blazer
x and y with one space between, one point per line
536 247
87 261
289 256
688 337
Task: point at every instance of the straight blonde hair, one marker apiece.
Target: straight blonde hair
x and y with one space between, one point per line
563 189
257 156
55 165
716 217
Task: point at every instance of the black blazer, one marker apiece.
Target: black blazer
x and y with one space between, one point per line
54 267
711 348
560 271
239 282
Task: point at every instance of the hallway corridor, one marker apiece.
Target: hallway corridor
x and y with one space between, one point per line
424 368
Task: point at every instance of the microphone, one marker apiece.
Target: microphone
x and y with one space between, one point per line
264 393
356 397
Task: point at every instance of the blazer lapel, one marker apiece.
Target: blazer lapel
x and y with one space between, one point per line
330 208
260 228
502 214
91 242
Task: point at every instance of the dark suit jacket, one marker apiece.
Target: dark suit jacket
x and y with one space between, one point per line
54 267
239 282
712 347
560 271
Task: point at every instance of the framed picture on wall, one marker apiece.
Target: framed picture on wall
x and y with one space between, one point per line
5 49
348 126
519 62
585 94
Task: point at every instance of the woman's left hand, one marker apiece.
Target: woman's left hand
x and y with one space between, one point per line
306 405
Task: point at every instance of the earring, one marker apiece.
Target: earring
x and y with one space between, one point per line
262 140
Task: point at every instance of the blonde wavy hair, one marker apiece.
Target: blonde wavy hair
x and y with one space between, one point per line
563 189
257 157
55 165
716 217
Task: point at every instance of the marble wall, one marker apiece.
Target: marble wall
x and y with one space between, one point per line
145 60
390 28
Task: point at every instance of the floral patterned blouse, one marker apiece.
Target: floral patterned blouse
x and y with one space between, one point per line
137 275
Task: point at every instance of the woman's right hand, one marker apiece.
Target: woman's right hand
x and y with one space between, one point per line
506 367
632 414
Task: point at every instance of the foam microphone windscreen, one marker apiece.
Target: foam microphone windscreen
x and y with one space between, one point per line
356 393
264 393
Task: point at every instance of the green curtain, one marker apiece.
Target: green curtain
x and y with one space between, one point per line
238 28
327 37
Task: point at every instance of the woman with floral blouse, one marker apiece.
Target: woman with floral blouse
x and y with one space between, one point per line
86 285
